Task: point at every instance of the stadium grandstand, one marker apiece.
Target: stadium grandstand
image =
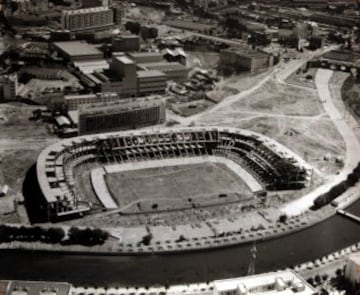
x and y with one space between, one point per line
274 166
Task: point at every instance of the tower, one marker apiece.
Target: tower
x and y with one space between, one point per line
251 269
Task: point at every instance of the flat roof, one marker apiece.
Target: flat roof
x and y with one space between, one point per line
124 59
86 10
163 66
263 280
116 106
142 54
77 48
148 74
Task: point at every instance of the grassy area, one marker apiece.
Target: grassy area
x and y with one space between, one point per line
174 187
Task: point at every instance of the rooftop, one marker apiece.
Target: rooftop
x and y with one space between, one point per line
142 54
86 10
118 106
282 282
77 48
123 59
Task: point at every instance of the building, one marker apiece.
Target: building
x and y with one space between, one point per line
92 18
74 102
120 116
95 3
31 287
125 70
146 57
9 87
282 282
31 6
236 60
352 271
150 82
174 71
125 43
77 51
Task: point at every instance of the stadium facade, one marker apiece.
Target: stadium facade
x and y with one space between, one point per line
273 165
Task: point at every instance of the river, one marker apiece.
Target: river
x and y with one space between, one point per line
333 234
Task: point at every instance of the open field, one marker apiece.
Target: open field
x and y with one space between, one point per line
21 141
291 115
174 187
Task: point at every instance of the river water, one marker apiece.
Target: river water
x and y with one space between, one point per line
319 240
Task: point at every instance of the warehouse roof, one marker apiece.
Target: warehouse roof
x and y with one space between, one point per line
77 48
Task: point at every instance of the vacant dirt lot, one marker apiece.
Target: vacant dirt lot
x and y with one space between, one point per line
21 141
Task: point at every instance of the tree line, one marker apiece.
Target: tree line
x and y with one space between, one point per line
338 189
53 235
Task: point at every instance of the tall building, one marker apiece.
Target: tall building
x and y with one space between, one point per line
125 69
125 43
120 116
87 18
10 85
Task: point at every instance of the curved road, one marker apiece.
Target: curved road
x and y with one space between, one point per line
351 142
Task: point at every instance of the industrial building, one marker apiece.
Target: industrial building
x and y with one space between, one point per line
146 57
125 70
77 51
150 82
87 18
120 116
174 71
125 43
234 59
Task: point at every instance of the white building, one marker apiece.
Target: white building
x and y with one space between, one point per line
352 272
282 282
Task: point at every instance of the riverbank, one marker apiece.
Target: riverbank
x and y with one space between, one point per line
113 247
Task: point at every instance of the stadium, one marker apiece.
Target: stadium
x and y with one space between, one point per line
160 170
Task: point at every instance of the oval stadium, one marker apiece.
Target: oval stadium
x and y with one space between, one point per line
138 176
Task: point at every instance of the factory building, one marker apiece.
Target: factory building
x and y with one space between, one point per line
87 18
174 71
237 60
77 51
125 43
120 116
150 82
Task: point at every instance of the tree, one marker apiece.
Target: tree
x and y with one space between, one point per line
283 218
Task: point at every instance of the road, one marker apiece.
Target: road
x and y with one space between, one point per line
352 144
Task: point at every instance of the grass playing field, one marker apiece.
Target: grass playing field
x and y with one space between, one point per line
176 187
